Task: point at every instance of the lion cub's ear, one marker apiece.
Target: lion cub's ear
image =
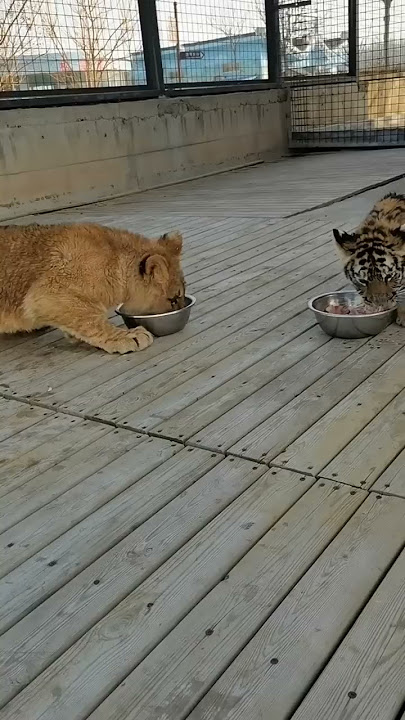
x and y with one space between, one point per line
173 242
155 267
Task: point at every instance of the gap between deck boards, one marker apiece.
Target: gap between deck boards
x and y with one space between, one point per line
185 443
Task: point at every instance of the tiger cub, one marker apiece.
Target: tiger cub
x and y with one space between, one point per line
374 255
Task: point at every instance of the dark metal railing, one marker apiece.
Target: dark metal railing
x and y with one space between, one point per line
155 85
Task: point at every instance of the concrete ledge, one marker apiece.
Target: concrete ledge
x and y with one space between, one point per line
58 157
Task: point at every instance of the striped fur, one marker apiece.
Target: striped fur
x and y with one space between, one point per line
374 255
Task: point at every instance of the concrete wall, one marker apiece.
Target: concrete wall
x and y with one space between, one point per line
57 157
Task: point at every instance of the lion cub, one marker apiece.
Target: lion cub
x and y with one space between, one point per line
69 276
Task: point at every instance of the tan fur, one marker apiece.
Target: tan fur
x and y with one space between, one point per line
69 276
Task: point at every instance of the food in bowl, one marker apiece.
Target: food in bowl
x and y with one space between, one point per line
162 323
336 308
330 311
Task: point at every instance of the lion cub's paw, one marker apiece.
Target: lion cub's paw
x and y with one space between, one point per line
130 341
142 337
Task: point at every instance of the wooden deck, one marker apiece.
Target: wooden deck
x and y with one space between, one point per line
212 529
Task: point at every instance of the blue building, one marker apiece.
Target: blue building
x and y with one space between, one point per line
240 57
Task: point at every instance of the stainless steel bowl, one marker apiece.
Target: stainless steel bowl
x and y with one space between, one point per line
163 323
349 326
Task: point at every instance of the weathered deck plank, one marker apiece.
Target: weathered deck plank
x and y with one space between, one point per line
47 570
91 668
199 255
217 238
196 486
392 481
48 485
370 452
228 334
233 425
84 498
41 446
328 436
15 417
269 190
284 247
267 260
285 656
292 419
168 575
186 663
266 358
365 677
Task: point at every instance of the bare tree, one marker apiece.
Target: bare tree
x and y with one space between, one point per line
97 34
17 22
232 31
260 10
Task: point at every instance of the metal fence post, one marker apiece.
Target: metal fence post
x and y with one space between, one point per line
353 44
273 39
151 45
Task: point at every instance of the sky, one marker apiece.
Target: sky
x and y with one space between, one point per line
200 19
204 19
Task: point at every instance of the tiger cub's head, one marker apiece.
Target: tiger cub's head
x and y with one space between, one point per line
374 264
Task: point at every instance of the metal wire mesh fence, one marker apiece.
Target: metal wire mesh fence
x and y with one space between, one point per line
59 44
343 59
314 38
213 41
86 44
369 107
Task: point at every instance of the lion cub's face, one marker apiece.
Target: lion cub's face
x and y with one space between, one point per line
162 286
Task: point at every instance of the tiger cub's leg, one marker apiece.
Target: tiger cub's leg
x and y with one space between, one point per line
401 315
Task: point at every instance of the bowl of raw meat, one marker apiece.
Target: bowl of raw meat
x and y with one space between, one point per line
344 315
